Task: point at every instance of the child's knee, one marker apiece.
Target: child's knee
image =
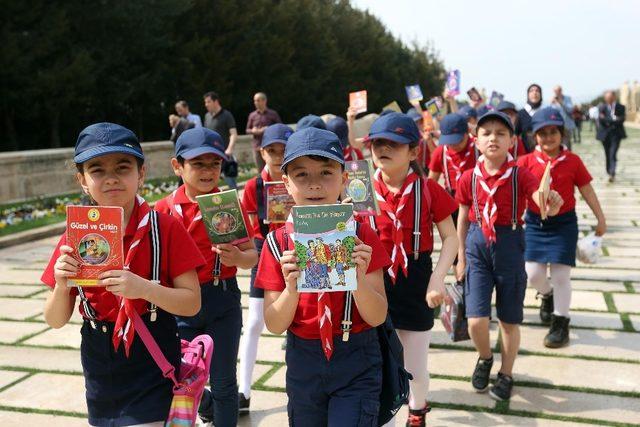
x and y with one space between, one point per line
509 328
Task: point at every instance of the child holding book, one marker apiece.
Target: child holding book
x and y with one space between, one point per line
253 201
339 126
409 206
124 385
509 108
199 154
329 381
551 243
492 198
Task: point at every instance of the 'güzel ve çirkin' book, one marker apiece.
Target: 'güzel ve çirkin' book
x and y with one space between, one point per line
95 234
324 237
222 215
359 187
278 202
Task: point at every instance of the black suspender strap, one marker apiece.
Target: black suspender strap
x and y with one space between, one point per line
262 209
474 193
154 232
346 319
89 312
514 198
417 207
216 271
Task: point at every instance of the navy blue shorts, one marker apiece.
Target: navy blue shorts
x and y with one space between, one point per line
553 240
253 291
502 265
123 391
344 391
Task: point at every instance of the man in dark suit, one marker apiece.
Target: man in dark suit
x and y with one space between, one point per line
611 131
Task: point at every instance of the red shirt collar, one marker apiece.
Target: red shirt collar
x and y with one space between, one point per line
264 174
132 225
485 174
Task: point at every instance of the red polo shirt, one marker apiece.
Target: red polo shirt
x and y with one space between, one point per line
179 254
565 176
250 204
199 233
527 184
441 206
464 159
305 321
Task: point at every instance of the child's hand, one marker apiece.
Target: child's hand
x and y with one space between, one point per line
351 114
460 269
554 203
361 256
66 266
601 227
125 284
228 253
436 292
290 270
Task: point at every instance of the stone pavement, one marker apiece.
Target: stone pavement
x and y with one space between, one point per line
596 380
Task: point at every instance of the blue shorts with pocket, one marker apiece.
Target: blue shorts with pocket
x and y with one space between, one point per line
501 265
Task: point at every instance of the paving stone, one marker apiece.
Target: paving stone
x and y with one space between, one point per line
627 302
579 300
258 371
602 274
11 275
67 336
20 308
268 408
575 404
635 321
616 251
440 336
22 419
270 349
7 377
449 417
597 285
48 391
40 358
278 379
585 342
18 290
581 318
10 332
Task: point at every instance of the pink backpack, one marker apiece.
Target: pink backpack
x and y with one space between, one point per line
193 376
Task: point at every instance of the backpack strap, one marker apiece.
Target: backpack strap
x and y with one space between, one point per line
514 198
417 208
154 234
474 193
348 303
262 209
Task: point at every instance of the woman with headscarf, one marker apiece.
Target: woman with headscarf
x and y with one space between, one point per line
534 103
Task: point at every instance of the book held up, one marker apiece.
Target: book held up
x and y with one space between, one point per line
222 215
358 101
359 187
278 202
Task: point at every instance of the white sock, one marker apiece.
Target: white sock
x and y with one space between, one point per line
537 276
561 281
249 345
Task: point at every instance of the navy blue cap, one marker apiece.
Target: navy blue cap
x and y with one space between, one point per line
387 111
312 142
468 112
106 138
484 109
453 128
276 133
506 105
498 115
413 113
395 127
310 121
198 141
339 126
547 116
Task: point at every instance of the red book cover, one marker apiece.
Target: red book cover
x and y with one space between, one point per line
95 234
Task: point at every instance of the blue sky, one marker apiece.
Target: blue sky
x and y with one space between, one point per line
585 46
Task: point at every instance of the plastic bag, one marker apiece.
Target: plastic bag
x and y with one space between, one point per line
589 249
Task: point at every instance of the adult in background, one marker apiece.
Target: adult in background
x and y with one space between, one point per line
564 105
593 118
577 116
178 125
611 116
182 109
257 122
221 121
534 103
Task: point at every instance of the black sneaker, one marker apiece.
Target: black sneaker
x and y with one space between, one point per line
205 410
558 335
546 307
243 404
480 378
501 389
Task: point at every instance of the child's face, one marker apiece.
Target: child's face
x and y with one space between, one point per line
314 182
200 174
549 139
112 179
472 122
494 139
272 155
392 157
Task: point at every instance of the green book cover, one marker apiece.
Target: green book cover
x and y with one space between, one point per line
360 187
222 215
324 237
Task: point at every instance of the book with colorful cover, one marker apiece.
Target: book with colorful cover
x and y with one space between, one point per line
453 83
358 101
360 187
278 202
414 93
432 107
95 234
324 237
222 215
496 98
474 95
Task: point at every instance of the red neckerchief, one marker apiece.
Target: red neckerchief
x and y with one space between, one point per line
398 254
543 158
176 208
123 330
490 210
350 153
456 167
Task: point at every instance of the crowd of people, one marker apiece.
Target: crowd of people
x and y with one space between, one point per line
474 173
